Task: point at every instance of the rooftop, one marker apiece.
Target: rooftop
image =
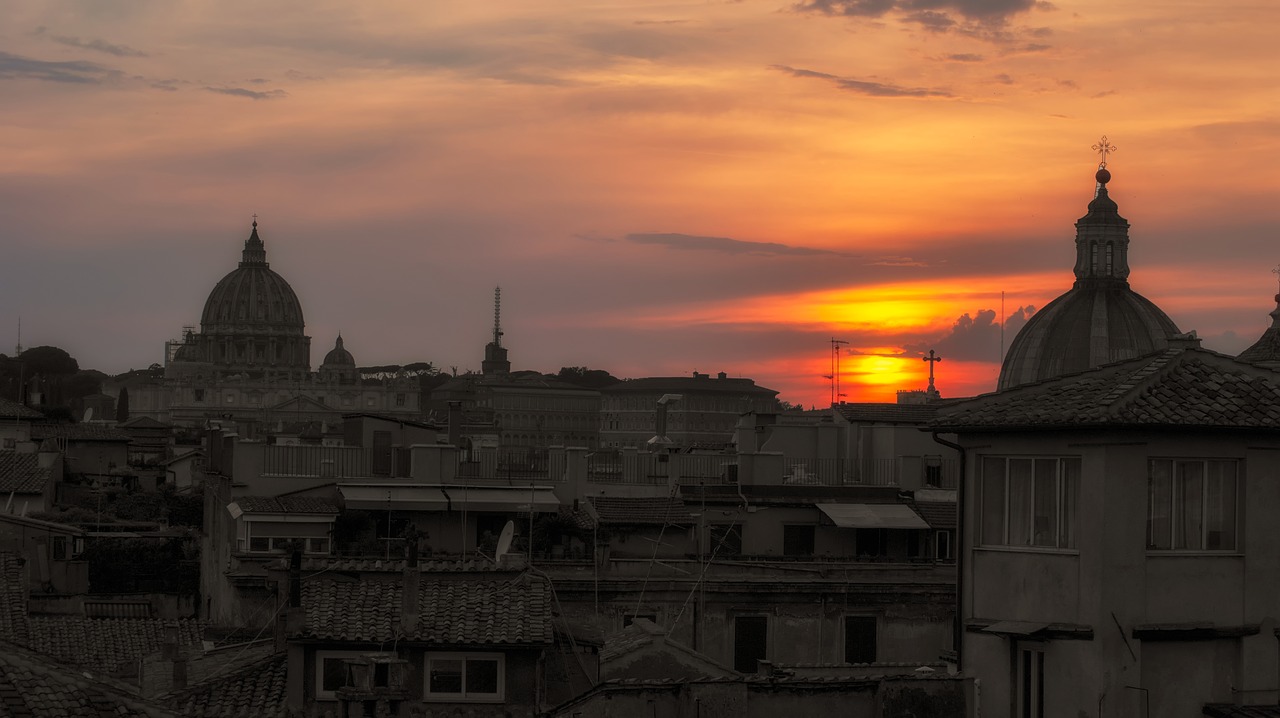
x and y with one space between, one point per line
21 473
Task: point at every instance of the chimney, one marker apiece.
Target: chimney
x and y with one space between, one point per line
171 653
455 422
409 594
294 615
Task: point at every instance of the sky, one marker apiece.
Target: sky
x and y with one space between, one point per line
658 188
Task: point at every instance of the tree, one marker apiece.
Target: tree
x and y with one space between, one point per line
122 405
586 378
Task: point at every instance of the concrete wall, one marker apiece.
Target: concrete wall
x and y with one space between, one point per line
1111 583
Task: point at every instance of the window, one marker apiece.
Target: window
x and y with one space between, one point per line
942 545
750 642
871 543
859 639
797 540
400 399
1192 505
1029 683
1029 501
330 671
59 548
726 540
465 677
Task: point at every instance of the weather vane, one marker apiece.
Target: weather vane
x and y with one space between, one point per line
1104 148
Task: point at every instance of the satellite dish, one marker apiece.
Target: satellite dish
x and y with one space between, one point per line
88 415
504 541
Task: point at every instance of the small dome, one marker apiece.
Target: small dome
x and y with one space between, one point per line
1266 350
1100 320
339 356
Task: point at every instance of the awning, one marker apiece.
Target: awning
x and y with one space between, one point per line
500 498
395 497
1016 628
873 516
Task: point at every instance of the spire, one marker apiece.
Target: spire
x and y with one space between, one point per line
1102 235
1266 350
255 253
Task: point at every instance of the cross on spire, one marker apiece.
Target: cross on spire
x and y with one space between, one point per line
1104 148
933 358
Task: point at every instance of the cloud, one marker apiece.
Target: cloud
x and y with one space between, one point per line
251 94
976 337
727 245
99 46
965 57
974 9
864 87
16 67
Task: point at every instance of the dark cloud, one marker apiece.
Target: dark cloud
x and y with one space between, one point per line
1003 79
98 45
864 87
1036 47
251 94
727 245
931 20
16 67
965 57
976 338
975 9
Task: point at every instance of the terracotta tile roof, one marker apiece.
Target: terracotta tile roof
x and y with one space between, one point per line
632 511
14 410
1230 710
285 505
13 598
21 472
258 690
105 644
511 610
31 685
938 514
1180 387
77 432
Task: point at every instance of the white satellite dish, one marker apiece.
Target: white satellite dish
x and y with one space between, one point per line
88 415
504 541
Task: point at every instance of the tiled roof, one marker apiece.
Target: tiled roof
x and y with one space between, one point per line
14 410
33 686
361 564
77 432
285 505
258 690
688 385
105 644
634 511
511 610
938 514
1180 387
21 473
888 413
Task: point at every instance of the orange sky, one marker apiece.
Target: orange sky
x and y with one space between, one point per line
658 187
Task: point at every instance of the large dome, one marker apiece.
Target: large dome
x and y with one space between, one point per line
251 325
1100 320
253 296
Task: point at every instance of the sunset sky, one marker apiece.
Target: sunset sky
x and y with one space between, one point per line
658 188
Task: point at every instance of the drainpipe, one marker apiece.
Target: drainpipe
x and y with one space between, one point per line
957 629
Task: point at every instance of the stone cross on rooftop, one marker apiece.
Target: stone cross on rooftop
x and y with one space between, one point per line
1104 147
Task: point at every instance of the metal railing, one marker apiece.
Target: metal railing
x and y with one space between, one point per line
659 469
318 461
913 471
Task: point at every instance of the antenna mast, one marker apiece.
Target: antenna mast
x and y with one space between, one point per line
497 316
835 370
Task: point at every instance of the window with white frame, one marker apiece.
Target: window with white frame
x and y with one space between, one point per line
1029 501
331 671
1193 504
478 677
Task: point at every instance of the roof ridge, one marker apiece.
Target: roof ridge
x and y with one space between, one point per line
1139 378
